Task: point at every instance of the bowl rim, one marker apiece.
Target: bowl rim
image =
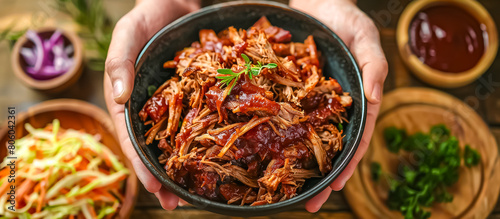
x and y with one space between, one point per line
99 115
59 82
223 208
436 77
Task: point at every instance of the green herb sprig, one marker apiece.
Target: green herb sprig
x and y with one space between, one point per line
420 184
228 76
97 26
471 156
10 35
151 90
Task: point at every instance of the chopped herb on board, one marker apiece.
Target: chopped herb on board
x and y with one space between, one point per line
425 181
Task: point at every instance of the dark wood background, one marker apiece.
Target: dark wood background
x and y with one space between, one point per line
483 95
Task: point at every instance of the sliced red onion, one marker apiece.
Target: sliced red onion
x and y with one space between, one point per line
47 48
58 50
68 63
58 63
28 55
60 57
56 37
69 49
49 58
47 72
40 54
62 64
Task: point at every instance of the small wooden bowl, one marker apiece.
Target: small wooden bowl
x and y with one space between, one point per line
436 77
77 115
58 83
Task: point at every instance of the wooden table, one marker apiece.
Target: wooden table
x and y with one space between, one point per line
482 95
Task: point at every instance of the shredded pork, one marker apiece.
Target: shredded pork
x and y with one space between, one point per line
254 140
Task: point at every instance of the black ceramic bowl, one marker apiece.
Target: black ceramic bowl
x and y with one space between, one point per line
339 64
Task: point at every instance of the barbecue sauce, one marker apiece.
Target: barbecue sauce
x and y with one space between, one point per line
447 38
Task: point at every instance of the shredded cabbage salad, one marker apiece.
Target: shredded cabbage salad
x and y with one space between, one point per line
62 174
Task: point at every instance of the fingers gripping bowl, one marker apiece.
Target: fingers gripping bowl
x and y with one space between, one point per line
336 62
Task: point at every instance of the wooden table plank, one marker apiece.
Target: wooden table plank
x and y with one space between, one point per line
494 216
496 133
193 214
483 96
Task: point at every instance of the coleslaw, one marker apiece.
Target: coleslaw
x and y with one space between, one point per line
63 174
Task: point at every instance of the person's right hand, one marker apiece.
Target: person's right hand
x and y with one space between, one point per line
360 34
130 35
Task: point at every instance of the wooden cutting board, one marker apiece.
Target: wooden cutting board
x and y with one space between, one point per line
418 109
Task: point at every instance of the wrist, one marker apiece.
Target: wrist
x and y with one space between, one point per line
164 11
313 7
187 5
312 3
178 6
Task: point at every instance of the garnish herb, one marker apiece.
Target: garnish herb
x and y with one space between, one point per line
424 182
394 138
10 35
376 171
471 156
96 24
151 90
229 77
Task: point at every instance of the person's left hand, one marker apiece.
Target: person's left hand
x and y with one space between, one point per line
131 33
360 34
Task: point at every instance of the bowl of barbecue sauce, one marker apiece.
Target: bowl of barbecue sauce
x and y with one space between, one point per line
447 43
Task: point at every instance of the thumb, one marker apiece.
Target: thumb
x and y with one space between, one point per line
123 50
370 56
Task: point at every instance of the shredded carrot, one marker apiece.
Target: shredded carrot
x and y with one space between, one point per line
24 189
117 184
104 171
82 165
107 160
36 188
4 172
43 184
64 191
39 154
92 211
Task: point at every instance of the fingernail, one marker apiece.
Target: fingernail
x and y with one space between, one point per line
376 93
183 202
117 88
339 186
342 187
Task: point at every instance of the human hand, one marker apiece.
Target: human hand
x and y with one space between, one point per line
131 33
360 34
